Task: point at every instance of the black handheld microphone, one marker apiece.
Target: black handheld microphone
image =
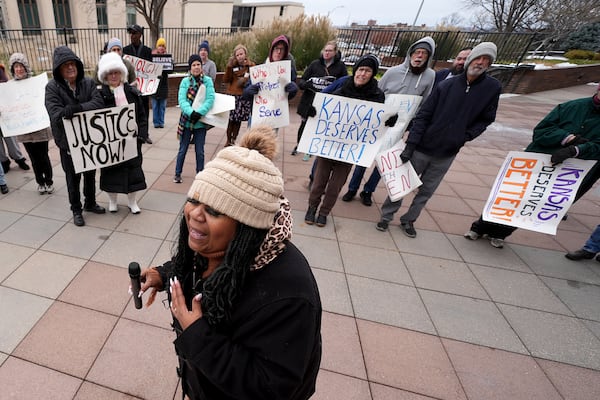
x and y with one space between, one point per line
134 275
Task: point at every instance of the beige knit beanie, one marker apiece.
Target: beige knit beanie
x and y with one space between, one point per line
241 181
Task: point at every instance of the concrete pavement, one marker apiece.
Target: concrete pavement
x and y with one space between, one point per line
435 317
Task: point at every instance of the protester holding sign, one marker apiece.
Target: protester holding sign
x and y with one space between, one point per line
571 129
159 99
457 111
317 76
36 143
190 127
237 75
68 93
128 176
137 49
330 175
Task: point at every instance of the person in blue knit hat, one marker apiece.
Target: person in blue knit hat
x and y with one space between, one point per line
208 66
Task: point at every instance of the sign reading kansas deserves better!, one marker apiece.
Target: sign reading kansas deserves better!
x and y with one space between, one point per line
531 193
344 129
100 138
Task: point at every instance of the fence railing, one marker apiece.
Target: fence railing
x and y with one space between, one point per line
390 45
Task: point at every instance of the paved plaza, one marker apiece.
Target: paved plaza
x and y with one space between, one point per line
435 317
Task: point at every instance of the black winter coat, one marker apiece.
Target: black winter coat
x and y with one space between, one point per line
128 176
453 114
270 349
316 77
143 52
59 94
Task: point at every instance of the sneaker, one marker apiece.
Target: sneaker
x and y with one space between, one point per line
42 189
472 235
580 254
306 157
177 179
49 189
321 221
4 189
382 226
349 195
365 198
309 218
408 229
22 164
497 242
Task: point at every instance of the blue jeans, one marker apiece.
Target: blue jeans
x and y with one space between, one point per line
357 176
593 243
158 111
199 137
2 179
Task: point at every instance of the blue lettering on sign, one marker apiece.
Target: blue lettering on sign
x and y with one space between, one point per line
263 111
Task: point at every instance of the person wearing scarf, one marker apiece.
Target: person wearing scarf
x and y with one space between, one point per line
245 304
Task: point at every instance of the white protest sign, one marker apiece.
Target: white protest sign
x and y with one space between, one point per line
344 129
103 137
406 107
22 108
166 60
146 74
531 193
270 105
400 178
218 115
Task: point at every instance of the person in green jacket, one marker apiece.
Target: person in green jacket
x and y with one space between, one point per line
570 130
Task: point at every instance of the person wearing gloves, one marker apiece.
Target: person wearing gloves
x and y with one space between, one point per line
237 75
68 93
414 77
570 130
458 110
330 175
189 121
35 143
279 51
246 308
208 66
317 76
126 177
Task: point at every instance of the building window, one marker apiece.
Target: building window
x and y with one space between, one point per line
30 19
131 14
242 17
62 13
101 16
281 10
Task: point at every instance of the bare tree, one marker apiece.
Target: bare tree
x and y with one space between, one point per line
151 10
561 17
507 15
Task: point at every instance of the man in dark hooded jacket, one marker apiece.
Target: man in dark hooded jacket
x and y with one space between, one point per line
68 93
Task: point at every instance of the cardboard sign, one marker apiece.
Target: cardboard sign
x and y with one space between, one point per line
531 193
270 105
22 108
400 178
146 74
103 137
344 129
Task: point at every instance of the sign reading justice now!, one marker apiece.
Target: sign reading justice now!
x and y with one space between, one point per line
531 193
103 137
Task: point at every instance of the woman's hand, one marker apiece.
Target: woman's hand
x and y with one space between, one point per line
150 279
179 308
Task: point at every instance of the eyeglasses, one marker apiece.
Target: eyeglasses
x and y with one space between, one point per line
279 49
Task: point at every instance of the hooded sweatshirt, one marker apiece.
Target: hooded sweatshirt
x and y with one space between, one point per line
285 56
84 97
43 135
401 80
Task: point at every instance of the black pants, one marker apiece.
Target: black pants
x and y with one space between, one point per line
42 167
73 180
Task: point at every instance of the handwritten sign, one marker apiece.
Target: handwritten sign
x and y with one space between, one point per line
146 74
270 105
400 178
100 138
531 193
22 107
405 106
166 60
344 129
218 115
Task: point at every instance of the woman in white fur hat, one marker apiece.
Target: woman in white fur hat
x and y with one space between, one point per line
128 176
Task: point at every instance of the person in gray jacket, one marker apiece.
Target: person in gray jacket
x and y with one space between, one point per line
415 77
68 93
